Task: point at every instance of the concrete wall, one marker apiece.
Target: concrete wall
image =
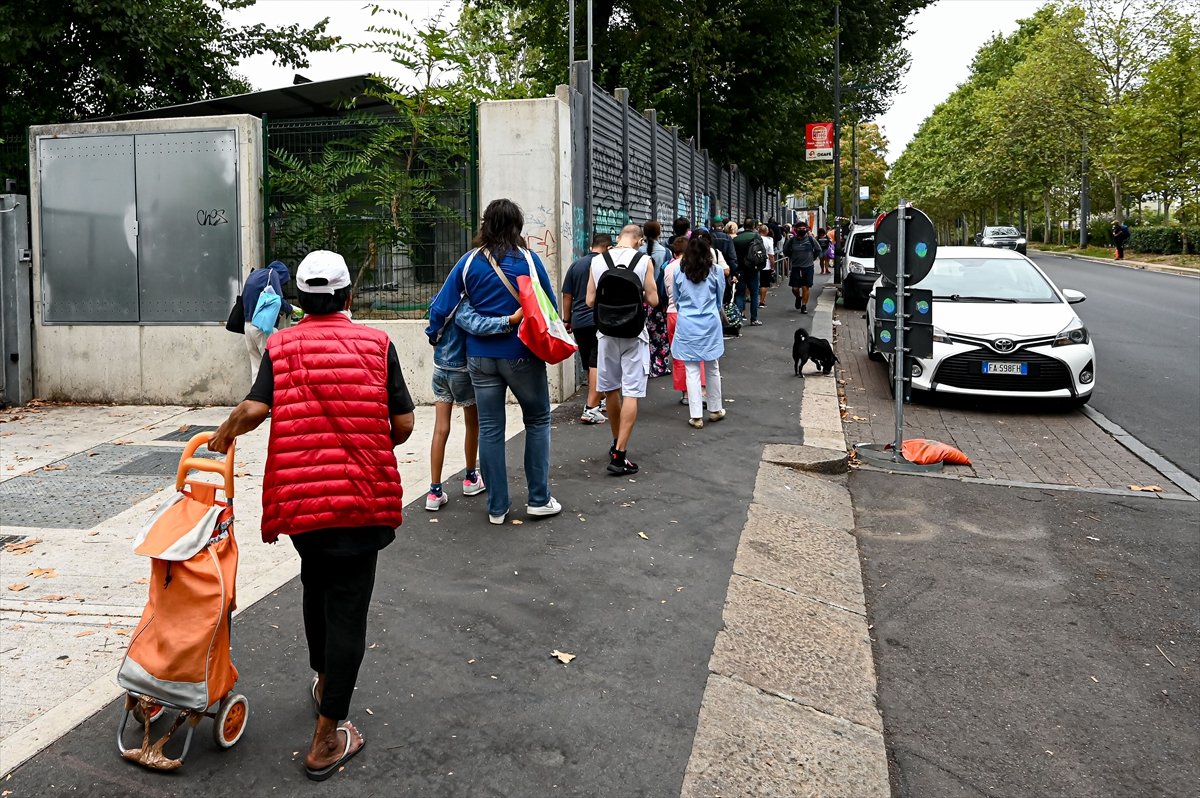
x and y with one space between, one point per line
186 364
525 155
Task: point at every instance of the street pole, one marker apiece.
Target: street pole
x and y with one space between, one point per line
570 36
1084 204
837 111
901 319
591 64
854 168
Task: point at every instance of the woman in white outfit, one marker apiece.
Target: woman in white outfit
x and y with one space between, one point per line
698 286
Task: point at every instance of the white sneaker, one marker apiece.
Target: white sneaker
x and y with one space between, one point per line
474 488
434 501
593 415
497 519
551 507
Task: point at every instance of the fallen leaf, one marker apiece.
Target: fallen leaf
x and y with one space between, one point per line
1147 488
123 632
517 522
562 656
85 633
433 520
142 581
52 597
93 454
59 467
470 662
44 573
581 518
72 612
121 442
241 473
643 536
185 428
17 587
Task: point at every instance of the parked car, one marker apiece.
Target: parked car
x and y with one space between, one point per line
1001 328
1003 237
859 274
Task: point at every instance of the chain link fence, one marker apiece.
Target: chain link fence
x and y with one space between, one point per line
394 195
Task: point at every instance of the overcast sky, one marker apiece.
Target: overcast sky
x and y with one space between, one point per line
945 37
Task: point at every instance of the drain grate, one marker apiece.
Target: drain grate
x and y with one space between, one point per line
186 435
6 539
159 462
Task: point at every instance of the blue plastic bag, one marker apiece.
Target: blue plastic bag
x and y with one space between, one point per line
266 312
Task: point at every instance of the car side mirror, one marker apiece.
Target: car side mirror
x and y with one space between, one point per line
1072 296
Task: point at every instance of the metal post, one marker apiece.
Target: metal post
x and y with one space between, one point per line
591 64
901 320
570 36
854 168
837 110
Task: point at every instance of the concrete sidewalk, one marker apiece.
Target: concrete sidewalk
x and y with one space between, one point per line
723 650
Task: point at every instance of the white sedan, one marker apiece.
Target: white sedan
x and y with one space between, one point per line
1001 328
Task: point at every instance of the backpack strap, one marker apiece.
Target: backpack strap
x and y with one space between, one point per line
632 261
503 278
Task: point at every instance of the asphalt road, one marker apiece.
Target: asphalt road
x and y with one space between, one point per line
1015 635
1146 327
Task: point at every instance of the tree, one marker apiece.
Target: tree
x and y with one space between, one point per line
748 73
872 168
77 59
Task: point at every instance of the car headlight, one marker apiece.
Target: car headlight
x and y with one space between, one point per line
1072 335
940 336
857 268
987 240
1021 240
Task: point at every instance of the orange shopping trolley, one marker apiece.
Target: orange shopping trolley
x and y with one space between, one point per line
179 662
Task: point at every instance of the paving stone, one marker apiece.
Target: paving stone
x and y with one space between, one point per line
808 558
823 660
759 746
814 498
807 458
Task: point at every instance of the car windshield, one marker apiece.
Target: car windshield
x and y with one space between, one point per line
987 280
862 245
1000 231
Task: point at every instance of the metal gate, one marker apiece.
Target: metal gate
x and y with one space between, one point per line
16 323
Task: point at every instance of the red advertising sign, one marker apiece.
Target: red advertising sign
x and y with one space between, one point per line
818 141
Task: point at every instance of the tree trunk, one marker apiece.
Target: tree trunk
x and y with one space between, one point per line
1118 209
1166 203
1046 222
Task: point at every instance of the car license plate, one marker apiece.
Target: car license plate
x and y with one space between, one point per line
1018 369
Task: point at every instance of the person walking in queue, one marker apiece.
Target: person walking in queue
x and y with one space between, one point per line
826 244
620 285
1120 234
339 405
751 256
501 362
581 323
275 275
656 317
803 250
698 286
766 277
678 374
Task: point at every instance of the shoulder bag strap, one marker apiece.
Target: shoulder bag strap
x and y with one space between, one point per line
608 259
503 278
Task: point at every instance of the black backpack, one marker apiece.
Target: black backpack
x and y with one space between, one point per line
756 255
620 311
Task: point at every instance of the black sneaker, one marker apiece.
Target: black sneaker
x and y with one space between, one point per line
798 305
804 308
622 467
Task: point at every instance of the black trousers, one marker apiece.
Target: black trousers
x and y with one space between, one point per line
337 597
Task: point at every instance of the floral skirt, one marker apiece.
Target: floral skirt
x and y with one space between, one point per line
660 344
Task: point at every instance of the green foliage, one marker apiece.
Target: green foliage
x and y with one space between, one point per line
1167 240
872 169
760 68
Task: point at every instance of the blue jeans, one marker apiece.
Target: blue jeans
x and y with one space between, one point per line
526 377
748 281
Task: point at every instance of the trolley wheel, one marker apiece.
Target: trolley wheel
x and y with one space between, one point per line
155 713
230 722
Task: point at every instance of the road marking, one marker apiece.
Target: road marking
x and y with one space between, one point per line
1148 455
1010 483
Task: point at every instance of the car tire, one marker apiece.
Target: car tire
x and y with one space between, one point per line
872 352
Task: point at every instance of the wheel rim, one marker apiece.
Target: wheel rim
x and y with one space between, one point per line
235 719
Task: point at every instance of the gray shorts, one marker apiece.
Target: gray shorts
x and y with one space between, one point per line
622 364
453 386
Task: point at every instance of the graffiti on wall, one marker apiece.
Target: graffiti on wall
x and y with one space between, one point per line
681 206
582 244
611 220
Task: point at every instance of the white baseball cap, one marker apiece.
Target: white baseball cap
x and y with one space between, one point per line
322 272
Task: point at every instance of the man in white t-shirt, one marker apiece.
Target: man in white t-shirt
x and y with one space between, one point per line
623 364
767 278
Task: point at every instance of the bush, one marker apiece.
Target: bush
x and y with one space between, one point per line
1100 232
1164 240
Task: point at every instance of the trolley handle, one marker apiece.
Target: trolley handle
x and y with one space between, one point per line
187 463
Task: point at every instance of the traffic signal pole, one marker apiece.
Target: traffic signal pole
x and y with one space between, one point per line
837 112
901 321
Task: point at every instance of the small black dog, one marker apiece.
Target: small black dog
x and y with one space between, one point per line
806 347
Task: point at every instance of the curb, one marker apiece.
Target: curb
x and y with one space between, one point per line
791 703
1178 271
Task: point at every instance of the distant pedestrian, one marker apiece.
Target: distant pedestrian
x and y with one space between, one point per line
698 286
581 323
621 283
826 245
752 255
1120 235
656 317
682 226
803 250
766 277
498 363
276 276
339 405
